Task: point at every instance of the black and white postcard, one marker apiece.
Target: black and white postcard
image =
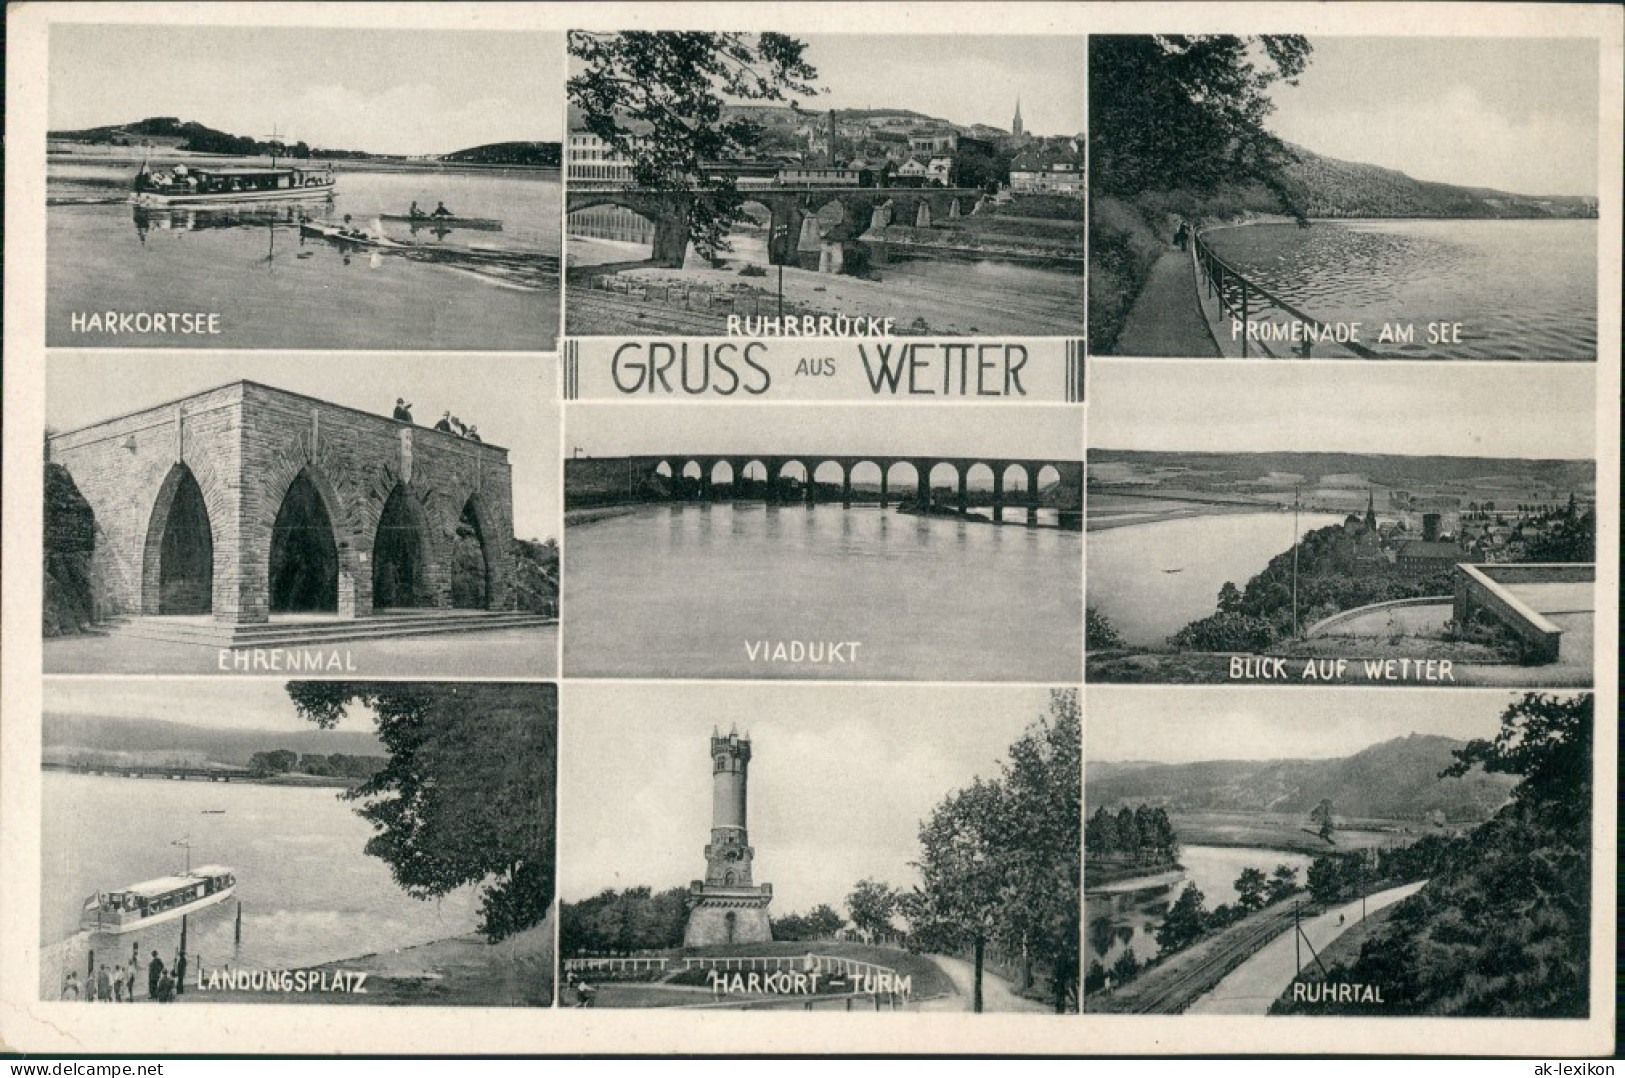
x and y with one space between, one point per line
831 848
930 180
315 842
790 529
1394 855
856 542
260 516
1345 197
300 187
1422 525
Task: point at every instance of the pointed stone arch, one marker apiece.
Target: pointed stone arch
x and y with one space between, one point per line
304 565
177 565
403 562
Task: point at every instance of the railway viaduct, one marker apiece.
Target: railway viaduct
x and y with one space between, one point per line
704 469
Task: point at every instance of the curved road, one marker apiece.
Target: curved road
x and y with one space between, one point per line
997 995
1258 982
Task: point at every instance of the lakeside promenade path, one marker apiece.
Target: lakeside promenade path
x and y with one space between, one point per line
1166 319
1258 982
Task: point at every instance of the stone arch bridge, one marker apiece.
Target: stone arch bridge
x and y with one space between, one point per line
244 502
792 209
1018 483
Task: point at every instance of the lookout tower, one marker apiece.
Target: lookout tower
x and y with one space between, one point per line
726 906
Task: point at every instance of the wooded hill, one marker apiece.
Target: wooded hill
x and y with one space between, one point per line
1393 780
1320 186
526 154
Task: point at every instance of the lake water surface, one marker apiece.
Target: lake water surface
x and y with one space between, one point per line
458 289
1129 919
1521 289
1131 569
678 591
309 894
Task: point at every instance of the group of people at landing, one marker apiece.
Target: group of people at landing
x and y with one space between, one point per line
116 984
448 422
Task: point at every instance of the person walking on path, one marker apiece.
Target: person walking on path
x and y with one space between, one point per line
155 973
104 986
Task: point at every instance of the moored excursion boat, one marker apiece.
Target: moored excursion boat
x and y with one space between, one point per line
194 186
154 901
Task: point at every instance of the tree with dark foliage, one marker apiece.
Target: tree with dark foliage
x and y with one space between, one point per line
657 99
1503 925
466 795
1177 111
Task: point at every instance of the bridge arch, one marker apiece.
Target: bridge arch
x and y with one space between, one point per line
177 567
1017 479
693 470
724 468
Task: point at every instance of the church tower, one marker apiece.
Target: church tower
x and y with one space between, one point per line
726 907
1017 128
1370 511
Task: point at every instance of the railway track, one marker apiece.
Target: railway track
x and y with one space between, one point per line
1230 951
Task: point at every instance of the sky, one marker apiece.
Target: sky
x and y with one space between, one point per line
1018 432
1534 411
510 398
382 91
962 79
1516 114
840 778
212 703
1264 723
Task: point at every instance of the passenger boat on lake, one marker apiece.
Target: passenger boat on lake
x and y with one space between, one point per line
189 185
151 902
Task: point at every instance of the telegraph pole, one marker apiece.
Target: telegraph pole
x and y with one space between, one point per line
1297 942
1297 499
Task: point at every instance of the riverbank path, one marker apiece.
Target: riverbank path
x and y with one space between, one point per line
1258 982
1166 319
997 995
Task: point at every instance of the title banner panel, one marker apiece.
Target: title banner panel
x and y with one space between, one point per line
905 370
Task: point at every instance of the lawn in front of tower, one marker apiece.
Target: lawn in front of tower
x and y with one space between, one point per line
526 652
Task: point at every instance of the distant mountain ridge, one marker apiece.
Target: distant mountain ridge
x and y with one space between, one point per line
1321 186
1395 780
1383 469
111 733
170 132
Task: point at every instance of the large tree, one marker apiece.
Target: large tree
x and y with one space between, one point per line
657 100
1000 859
1176 111
872 905
466 795
962 889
